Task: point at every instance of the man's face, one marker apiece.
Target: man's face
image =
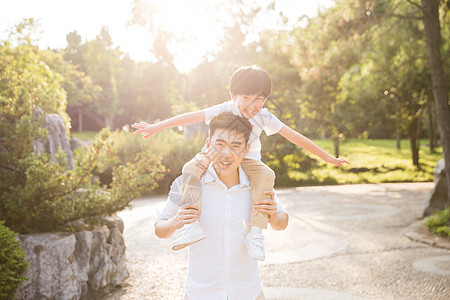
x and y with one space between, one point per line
249 105
227 150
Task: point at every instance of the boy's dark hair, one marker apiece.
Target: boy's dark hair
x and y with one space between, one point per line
250 80
228 121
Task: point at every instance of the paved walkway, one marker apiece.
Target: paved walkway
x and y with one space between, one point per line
342 242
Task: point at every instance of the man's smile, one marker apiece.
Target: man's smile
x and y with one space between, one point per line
226 163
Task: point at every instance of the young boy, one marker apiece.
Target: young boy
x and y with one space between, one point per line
249 88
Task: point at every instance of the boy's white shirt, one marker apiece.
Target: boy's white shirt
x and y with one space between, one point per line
263 120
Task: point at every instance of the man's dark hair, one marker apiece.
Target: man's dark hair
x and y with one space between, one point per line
228 121
250 80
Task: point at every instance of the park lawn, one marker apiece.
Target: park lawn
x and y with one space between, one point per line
384 163
84 135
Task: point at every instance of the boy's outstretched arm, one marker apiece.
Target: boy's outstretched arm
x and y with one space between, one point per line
180 120
305 143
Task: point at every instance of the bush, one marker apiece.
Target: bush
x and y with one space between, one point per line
175 150
12 262
38 193
439 222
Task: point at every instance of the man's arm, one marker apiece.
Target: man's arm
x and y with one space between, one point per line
305 143
277 220
180 120
185 215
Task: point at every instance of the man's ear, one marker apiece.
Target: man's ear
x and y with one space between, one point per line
208 144
247 149
233 97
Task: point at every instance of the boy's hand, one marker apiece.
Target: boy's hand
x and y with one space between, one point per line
150 129
338 161
268 205
186 215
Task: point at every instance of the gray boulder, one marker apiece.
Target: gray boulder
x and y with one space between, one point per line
74 265
56 138
76 143
437 197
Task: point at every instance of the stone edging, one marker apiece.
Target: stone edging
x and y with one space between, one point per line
419 232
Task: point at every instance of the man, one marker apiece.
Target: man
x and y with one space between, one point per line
219 265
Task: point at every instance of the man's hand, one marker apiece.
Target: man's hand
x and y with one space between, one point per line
268 205
338 161
150 129
186 215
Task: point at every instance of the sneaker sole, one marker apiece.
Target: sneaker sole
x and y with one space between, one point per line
182 246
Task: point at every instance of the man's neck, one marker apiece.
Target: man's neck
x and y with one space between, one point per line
230 180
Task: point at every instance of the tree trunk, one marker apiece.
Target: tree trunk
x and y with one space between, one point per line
397 137
80 121
430 126
109 122
412 134
439 86
336 146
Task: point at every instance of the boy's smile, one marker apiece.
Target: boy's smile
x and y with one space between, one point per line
249 105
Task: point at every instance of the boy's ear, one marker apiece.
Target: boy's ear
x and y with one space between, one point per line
233 97
208 143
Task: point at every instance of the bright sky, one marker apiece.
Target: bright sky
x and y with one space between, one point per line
192 20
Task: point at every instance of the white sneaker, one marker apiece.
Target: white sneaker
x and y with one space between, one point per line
255 244
190 234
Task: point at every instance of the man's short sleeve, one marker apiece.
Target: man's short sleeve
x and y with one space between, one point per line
173 202
216 110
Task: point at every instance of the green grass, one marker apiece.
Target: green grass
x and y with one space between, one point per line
439 223
384 163
85 135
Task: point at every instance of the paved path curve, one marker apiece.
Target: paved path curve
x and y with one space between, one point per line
343 242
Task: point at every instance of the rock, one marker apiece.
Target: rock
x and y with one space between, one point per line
437 197
56 138
74 265
76 143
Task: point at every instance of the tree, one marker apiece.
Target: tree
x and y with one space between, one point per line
392 73
82 93
322 51
432 26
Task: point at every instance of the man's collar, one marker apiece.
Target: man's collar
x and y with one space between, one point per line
211 176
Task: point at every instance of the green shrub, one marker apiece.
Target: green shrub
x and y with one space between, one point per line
12 262
175 150
39 193
439 222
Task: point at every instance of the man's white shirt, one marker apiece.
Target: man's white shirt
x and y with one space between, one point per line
263 120
219 265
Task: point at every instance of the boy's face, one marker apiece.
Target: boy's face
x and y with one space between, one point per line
227 149
249 105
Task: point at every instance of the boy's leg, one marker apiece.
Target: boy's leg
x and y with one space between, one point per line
191 190
262 179
191 174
